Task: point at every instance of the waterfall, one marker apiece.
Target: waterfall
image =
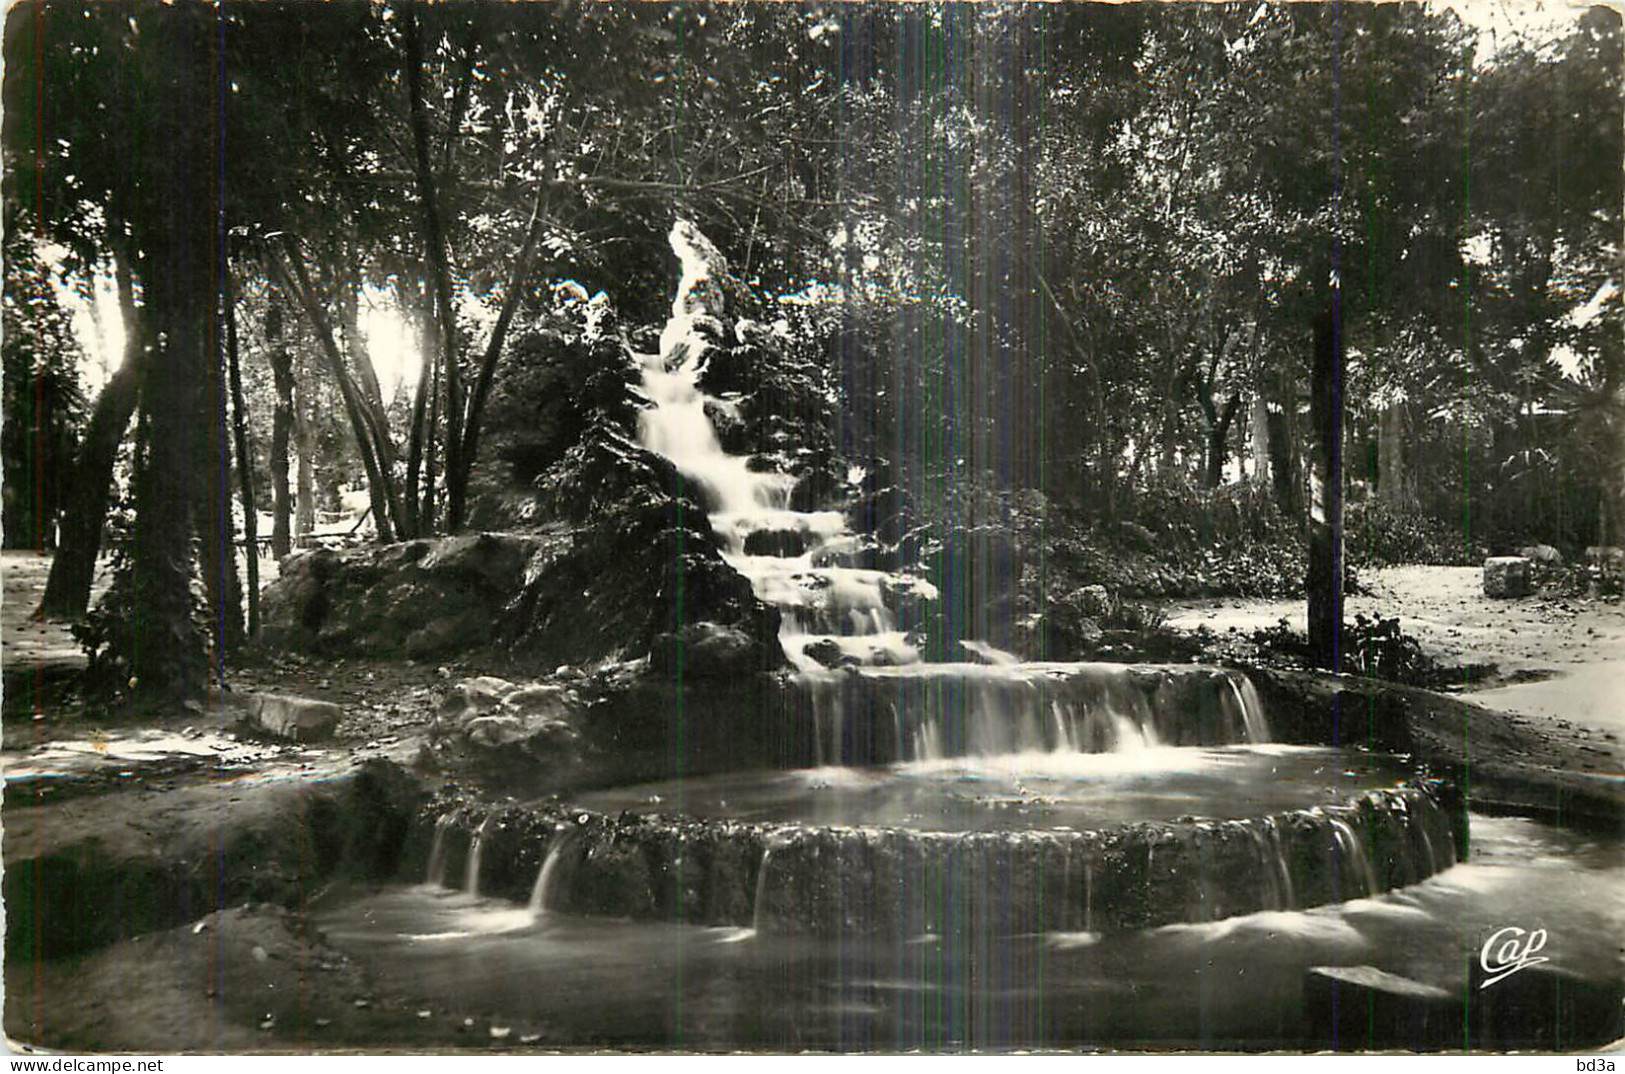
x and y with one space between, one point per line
779 877
988 654
851 618
759 903
471 872
1278 855
436 873
844 610
543 894
1351 851
932 712
1428 818
1249 706
1271 887
1089 892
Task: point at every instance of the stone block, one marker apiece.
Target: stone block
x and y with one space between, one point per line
1507 576
1543 556
298 719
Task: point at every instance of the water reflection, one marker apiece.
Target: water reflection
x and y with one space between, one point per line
1026 790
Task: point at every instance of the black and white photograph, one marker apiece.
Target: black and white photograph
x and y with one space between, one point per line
572 527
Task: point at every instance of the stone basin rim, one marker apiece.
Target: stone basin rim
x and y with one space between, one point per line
571 816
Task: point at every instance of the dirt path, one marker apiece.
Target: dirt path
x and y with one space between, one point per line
41 646
1578 642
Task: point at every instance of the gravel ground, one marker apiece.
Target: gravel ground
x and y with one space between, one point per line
1569 651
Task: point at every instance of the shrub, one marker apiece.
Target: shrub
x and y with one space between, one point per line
1380 534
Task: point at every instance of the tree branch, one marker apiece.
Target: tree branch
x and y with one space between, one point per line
493 351
435 241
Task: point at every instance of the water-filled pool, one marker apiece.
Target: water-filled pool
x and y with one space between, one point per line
1026 791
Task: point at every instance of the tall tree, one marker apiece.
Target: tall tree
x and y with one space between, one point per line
245 457
174 225
43 400
90 482
281 359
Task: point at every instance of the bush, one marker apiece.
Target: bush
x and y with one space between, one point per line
1379 649
110 632
1379 534
1374 648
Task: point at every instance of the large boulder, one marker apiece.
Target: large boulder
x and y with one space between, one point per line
1092 601
1507 576
644 562
710 651
534 722
420 599
1543 556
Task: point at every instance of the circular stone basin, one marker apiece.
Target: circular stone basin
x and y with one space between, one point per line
1027 791
1019 844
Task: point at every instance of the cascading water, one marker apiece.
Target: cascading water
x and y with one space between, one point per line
471 872
818 600
435 876
758 912
849 615
544 894
1351 855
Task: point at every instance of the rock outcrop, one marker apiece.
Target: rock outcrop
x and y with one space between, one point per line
532 728
417 599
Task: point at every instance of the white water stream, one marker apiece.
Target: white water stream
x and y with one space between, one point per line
818 600
994 706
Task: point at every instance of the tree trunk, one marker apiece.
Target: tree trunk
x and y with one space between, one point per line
438 260
67 589
366 379
410 501
1325 575
245 464
1168 456
1393 479
281 433
1218 442
457 483
1611 487
291 275
1258 420
1283 436
305 430
177 231
212 514
431 441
